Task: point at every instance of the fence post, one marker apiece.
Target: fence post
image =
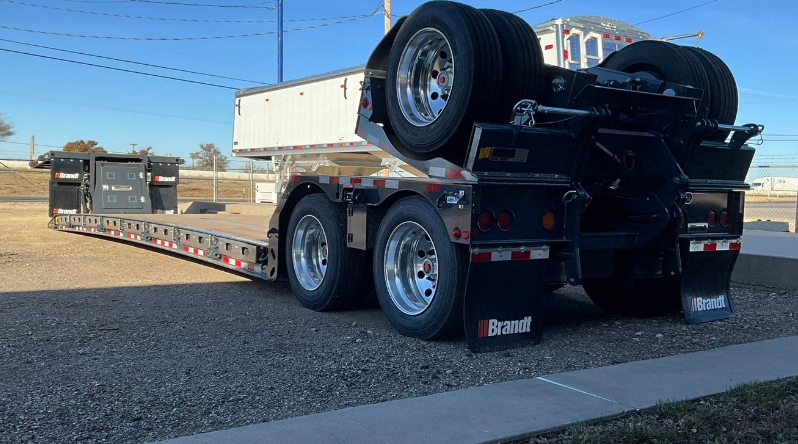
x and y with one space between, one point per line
215 181
251 181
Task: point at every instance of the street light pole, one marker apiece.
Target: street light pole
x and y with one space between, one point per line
279 41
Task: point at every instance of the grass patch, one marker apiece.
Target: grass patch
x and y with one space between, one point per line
749 413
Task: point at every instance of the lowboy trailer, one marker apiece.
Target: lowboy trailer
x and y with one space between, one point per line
478 179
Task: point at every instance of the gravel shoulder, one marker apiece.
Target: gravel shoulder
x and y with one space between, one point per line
101 341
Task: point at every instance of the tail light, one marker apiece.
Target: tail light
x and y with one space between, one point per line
548 220
712 218
485 220
456 233
505 220
724 218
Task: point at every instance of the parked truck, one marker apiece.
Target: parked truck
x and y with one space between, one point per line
462 179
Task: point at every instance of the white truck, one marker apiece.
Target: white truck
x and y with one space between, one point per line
461 178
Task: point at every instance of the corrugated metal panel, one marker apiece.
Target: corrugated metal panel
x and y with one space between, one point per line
309 111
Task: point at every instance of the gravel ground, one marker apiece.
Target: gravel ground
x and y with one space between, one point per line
95 347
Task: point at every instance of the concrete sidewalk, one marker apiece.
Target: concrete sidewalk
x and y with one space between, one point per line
768 258
525 407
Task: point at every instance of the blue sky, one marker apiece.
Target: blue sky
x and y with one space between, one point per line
59 102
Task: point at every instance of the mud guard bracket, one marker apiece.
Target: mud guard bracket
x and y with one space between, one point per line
706 277
504 292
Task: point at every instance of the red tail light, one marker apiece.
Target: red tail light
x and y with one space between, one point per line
505 220
456 233
712 218
724 218
485 220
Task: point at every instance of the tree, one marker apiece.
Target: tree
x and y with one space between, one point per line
149 151
84 146
205 157
6 128
194 157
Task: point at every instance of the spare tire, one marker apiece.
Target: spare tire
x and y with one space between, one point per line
444 73
522 62
723 105
663 61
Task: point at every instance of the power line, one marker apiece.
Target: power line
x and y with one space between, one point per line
674 13
172 39
28 143
108 14
117 69
537 7
133 62
250 6
108 108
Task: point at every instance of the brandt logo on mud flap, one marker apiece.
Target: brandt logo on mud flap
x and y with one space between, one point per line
63 211
165 179
494 327
66 175
703 304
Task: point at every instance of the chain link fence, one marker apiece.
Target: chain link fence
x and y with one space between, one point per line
239 181
774 193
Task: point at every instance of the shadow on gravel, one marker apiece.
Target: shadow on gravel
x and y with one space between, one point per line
139 364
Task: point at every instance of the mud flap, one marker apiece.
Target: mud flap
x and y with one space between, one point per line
706 277
503 305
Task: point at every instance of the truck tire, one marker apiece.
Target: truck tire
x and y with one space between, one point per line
419 273
723 106
638 297
444 73
663 61
324 273
522 62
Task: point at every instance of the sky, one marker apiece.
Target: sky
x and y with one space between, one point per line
59 102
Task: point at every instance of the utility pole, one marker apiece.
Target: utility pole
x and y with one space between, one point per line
215 181
279 41
387 16
134 146
32 145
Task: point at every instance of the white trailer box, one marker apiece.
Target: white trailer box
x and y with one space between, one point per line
313 112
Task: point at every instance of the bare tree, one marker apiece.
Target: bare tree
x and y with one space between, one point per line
6 128
205 157
149 151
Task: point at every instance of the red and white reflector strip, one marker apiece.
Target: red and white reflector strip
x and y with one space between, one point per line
368 182
241 264
715 245
301 147
196 251
114 233
509 254
134 236
164 243
81 228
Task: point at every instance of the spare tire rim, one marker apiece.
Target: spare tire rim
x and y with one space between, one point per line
411 268
309 251
425 77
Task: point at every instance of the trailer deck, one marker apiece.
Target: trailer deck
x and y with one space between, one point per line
235 241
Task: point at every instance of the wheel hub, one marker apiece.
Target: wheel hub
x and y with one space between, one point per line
425 77
411 268
309 252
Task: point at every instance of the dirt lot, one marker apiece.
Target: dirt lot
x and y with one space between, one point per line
102 341
34 184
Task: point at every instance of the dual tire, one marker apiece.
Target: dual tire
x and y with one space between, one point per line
452 65
684 65
417 270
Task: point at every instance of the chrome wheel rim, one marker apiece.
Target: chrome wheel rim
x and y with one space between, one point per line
411 268
425 77
309 250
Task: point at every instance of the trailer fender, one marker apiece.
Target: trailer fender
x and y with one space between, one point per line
378 60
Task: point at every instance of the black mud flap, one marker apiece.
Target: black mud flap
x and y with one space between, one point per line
706 278
504 298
